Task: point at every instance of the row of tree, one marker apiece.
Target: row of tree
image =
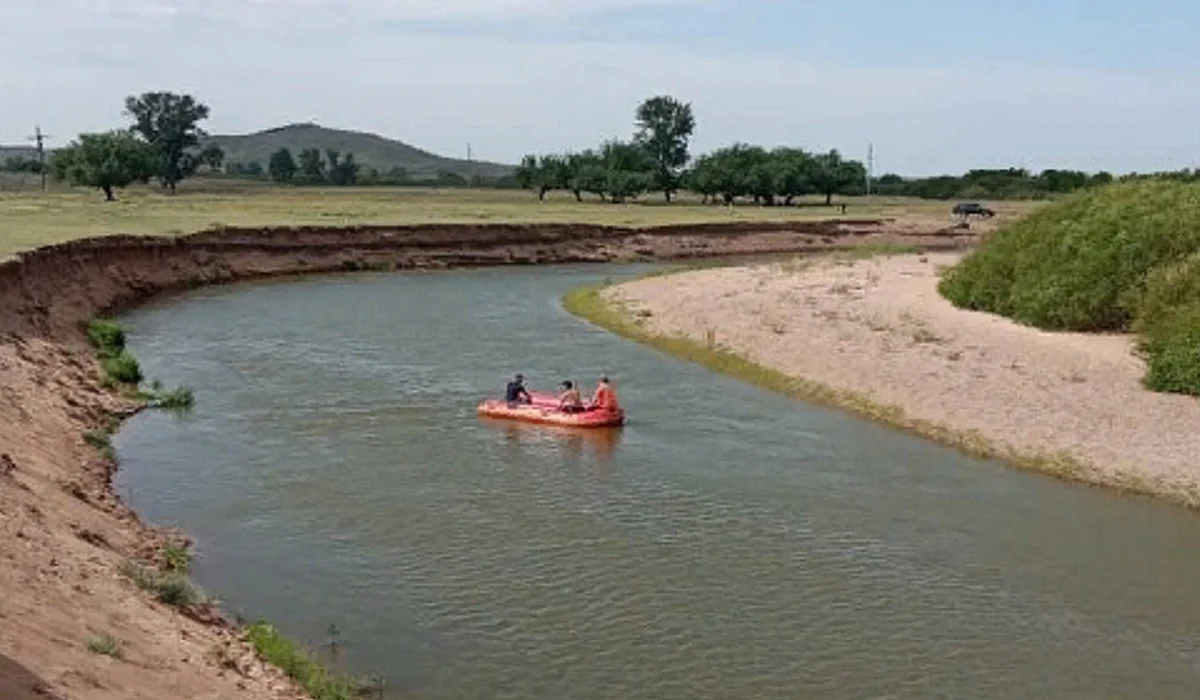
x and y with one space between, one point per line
656 160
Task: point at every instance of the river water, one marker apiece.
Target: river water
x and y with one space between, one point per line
728 543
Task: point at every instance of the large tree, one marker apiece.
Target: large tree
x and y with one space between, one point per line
107 160
282 166
832 174
664 128
312 165
170 124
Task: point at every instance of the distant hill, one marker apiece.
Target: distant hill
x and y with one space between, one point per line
370 151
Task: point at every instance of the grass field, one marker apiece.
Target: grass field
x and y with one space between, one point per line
32 219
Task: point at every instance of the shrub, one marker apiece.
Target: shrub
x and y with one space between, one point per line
122 367
1169 289
106 336
1171 346
178 558
1080 264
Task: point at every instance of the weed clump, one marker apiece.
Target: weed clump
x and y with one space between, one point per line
169 587
1117 258
320 682
181 398
105 645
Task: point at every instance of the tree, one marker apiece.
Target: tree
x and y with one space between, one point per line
106 160
342 171
312 166
543 174
169 123
793 170
213 157
834 175
628 170
282 166
665 127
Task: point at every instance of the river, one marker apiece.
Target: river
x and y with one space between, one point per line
727 543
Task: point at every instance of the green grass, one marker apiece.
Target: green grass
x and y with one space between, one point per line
35 219
169 587
277 650
105 645
1118 258
589 303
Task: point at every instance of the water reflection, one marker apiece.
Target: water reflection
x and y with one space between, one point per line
601 443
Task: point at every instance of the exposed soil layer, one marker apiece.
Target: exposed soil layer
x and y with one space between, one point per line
63 531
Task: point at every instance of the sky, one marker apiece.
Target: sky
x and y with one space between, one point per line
935 86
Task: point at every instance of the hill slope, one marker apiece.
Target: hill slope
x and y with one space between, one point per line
370 151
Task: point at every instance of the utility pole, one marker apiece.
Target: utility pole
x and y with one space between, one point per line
40 139
870 166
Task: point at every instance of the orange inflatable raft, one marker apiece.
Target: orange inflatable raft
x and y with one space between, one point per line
544 409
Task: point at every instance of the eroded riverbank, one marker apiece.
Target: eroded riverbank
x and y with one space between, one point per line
66 531
874 336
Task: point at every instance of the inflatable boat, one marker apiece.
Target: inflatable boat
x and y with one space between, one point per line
544 409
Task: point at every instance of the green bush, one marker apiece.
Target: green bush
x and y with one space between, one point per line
122 367
1080 264
106 336
1171 346
1121 257
1169 289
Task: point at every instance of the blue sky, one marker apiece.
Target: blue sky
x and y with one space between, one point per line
937 86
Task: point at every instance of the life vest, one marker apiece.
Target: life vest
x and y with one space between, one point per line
606 399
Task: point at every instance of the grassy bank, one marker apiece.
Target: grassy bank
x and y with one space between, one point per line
35 219
1121 258
590 304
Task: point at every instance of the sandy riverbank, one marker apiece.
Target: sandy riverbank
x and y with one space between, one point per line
65 533
1069 404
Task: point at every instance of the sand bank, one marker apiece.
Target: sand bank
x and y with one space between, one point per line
875 335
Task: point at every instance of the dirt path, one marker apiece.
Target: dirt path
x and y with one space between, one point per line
878 327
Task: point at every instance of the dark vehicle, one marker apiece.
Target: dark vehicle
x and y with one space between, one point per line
965 209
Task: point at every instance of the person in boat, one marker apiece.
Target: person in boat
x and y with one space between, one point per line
569 400
605 399
516 392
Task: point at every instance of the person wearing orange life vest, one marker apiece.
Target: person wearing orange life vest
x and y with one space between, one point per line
605 399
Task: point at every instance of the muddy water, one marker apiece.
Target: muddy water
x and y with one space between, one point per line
727 543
